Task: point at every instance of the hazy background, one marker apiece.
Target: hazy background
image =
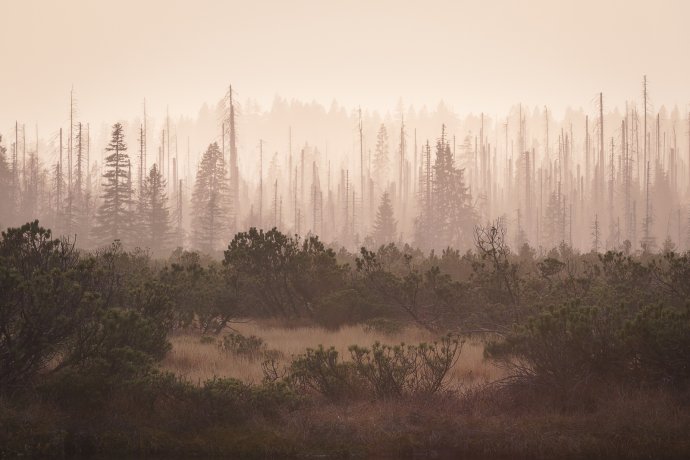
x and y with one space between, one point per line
476 56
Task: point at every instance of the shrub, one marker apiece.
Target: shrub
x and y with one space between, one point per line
659 341
322 371
563 349
395 371
46 298
251 347
383 326
383 371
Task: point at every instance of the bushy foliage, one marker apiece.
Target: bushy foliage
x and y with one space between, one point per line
250 347
564 348
61 312
658 340
573 350
204 294
396 371
321 370
381 371
46 300
280 275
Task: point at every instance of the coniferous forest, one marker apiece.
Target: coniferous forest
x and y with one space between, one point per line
298 279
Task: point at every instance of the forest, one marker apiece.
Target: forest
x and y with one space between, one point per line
508 289
599 179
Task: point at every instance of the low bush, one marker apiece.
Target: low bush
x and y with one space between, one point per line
383 326
570 352
322 370
382 371
251 347
395 371
659 340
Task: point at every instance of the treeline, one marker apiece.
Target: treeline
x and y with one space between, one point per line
145 216
605 180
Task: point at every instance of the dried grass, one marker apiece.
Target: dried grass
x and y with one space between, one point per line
197 361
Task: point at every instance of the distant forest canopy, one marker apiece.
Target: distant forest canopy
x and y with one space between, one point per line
605 178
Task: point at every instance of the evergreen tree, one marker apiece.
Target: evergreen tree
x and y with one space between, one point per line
6 207
210 201
154 217
30 196
453 215
381 162
552 218
385 227
424 221
114 218
57 205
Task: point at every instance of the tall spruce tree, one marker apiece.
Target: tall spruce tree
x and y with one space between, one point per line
453 214
552 218
381 160
6 205
114 218
210 201
154 218
385 226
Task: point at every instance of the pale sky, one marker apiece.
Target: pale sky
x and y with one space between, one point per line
475 55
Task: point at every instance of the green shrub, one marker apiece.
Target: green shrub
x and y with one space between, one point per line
251 347
395 371
659 341
383 326
563 349
382 371
46 299
572 348
321 370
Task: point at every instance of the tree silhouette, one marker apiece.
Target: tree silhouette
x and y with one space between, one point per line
385 226
155 212
210 200
381 161
6 205
452 217
114 218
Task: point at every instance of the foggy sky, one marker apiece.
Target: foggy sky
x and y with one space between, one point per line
476 56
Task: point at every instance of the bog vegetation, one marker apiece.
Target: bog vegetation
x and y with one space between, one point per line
93 343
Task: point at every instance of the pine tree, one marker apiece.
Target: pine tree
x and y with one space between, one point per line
381 161
210 201
385 226
155 213
114 217
552 217
453 215
31 189
6 208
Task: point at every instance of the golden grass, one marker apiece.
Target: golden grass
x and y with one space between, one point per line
197 361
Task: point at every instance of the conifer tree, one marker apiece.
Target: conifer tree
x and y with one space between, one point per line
385 226
210 201
381 162
552 216
6 208
114 217
155 213
453 215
